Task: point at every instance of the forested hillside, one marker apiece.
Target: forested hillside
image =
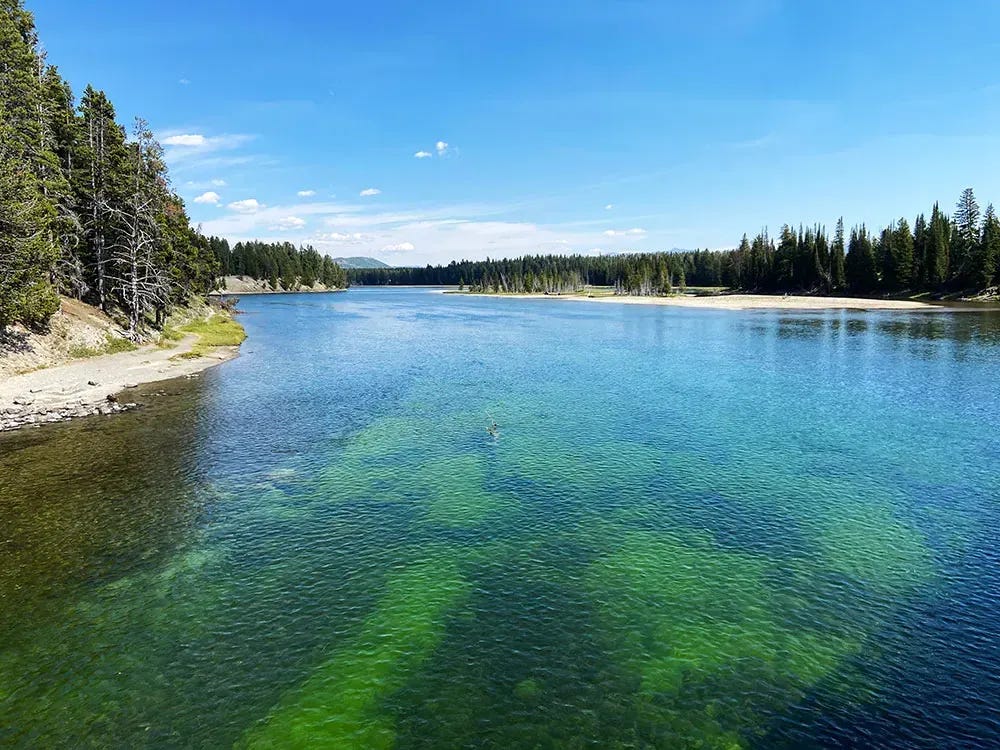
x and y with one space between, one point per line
86 209
939 255
281 264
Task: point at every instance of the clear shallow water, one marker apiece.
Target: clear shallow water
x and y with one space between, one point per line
696 529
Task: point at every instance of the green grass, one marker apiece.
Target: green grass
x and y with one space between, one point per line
169 337
219 329
111 345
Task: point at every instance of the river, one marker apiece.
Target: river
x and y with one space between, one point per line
691 528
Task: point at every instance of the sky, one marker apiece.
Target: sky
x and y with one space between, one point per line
424 132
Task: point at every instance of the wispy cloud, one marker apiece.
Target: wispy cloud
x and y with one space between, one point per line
635 232
184 139
752 144
183 81
211 197
609 206
423 155
346 237
368 192
186 146
306 193
247 206
417 235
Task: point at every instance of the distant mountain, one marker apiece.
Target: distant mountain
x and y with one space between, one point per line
360 262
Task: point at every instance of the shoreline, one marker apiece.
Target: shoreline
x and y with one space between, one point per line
745 302
236 286
218 294
93 386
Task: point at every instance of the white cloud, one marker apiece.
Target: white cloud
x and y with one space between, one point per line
437 234
306 193
353 238
187 149
211 197
609 206
248 206
185 139
289 222
368 192
402 247
636 232
423 155
184 82
218 183
442 147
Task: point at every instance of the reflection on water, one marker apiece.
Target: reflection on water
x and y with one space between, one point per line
693 529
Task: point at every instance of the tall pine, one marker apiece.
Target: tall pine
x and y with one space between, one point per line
28 252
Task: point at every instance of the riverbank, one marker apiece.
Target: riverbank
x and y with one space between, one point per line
738 301
97 383
247 285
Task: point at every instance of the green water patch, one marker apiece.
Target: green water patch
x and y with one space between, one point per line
856 526
456 494
525 663
608 469
338 705
688 614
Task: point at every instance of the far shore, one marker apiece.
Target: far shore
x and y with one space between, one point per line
244 286
740 301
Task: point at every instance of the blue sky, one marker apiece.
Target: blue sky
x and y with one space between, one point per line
547 126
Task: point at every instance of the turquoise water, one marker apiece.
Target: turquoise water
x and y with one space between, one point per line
693 529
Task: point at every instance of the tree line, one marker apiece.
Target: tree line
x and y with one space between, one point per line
939 255
85 210
281 264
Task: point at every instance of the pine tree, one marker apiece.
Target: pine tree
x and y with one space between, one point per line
27 251
900 271
103 157
965 238
860 265
937 246
920 252
60 188
837 279
987 271
138 278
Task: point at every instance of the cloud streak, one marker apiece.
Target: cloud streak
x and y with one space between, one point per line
413 235
636 232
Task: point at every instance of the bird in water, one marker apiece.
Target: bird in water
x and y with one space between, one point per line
494 428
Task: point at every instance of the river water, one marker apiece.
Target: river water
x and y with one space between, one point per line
692 528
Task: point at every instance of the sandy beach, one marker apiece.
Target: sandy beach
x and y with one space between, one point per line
743 302
97 385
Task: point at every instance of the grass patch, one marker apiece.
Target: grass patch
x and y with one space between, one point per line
219 329
111 345
169 337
